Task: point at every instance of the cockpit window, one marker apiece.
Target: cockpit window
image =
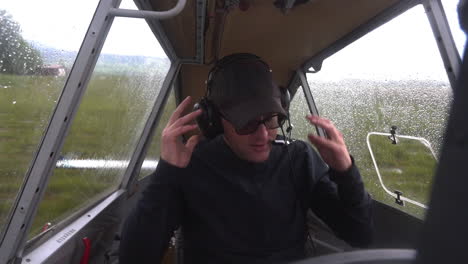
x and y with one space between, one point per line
404 164
392 77
298 111
450 8
115 107
38 46
152 156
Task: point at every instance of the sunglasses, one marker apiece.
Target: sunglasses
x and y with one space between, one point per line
270 122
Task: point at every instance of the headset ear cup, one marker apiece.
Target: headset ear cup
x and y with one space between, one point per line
285 98
209 120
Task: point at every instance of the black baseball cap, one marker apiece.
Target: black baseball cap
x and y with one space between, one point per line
242 88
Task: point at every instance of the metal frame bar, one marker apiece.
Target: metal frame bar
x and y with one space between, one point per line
160 34
67 222
447 48
201 15
36 179
141 149
293 85
365 256
310 99
375 22
158 31
443 237
43 252
326 245
149 14
177 88
57 227
139 153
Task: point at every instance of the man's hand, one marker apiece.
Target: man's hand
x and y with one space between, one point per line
173 149
332 149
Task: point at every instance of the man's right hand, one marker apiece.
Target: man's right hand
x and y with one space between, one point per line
173 149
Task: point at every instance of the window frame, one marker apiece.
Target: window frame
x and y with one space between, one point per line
13 239
440 28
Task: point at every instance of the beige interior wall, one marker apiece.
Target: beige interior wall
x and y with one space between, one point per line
181 29
287 41
193 80
283 41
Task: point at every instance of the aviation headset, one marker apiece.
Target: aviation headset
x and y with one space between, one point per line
209 121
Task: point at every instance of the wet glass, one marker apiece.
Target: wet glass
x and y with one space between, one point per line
38 45
152 155
450 8
404 164
393 76
298 110
111 117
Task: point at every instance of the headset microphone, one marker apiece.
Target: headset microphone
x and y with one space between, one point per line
289 128
280 142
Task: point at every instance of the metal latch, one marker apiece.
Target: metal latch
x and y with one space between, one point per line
397 199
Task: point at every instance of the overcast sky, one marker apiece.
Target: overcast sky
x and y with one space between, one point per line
397 47
403 48
62 24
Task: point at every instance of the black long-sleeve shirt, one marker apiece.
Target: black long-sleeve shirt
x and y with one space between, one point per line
235 211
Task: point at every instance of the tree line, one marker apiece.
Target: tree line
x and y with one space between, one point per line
17 56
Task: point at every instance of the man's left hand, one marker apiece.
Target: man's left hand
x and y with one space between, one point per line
332 149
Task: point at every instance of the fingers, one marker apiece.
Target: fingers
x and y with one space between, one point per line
333 149
178 124
186 119
173 149
179 110
183 129
328 126
335 154
192 142
320 142
173 133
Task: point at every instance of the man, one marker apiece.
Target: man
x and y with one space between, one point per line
238 197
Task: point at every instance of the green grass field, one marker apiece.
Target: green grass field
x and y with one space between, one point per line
114 108
107 126
357 107
407 166
25 106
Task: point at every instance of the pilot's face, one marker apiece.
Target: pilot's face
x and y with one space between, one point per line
253 147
